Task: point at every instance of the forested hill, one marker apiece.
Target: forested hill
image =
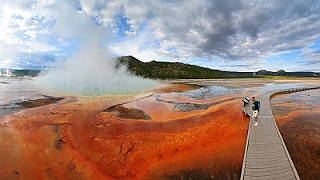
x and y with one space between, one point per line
177 70
167 70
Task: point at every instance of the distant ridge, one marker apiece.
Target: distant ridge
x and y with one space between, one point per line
177 70
173 70
18 72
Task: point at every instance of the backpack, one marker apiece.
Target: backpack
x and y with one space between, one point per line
258 105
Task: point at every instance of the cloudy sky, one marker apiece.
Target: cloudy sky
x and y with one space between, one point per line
236 35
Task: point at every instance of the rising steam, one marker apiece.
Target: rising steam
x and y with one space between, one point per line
89 71
92 74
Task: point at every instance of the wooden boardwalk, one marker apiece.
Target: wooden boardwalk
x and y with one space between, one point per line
266 156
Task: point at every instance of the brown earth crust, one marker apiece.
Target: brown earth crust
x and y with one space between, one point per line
38 102
126 113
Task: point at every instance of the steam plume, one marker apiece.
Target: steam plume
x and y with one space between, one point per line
89 71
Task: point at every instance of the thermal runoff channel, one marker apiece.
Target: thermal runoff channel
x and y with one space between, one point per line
88 71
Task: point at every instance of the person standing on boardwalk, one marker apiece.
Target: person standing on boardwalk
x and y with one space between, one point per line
255 108
245 101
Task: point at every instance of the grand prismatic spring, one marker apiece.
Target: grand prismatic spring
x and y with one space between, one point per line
92 113
194 129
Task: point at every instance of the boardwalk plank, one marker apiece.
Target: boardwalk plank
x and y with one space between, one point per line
259 166
276 173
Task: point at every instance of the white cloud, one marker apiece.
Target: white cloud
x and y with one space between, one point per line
23 27
232 30
141 46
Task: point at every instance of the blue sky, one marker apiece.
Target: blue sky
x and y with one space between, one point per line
234 35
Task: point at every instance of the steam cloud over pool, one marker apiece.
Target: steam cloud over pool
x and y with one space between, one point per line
91 73
88 71
93 78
